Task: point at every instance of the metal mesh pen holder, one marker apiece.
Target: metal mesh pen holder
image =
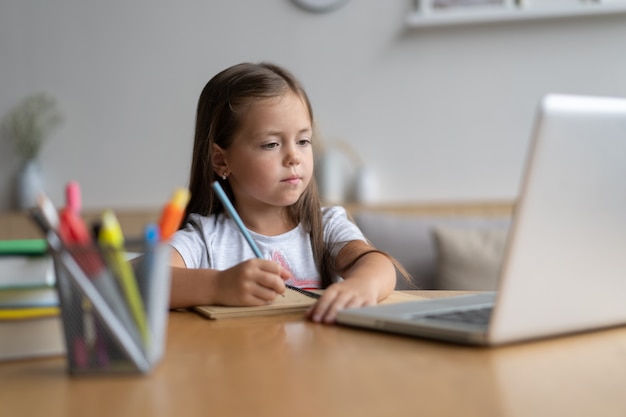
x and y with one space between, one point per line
102 334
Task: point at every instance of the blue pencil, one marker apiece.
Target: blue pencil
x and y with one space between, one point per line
233 215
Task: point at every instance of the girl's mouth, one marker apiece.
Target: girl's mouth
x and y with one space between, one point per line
292 180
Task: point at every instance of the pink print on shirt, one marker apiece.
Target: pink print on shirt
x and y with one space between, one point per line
277 256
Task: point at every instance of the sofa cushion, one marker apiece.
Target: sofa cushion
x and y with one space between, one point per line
470 257
409 239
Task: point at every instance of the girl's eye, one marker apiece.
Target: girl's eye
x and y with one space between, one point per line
272 145
304 142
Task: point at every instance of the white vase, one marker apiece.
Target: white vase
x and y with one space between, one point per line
29 184
330 177
366 186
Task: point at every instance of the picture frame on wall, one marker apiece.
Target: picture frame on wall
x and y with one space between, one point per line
429 13
552 4
451 6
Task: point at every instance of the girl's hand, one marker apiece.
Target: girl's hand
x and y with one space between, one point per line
251 283
344 294
369 277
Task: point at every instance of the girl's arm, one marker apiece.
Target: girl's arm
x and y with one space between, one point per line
370 280
250 283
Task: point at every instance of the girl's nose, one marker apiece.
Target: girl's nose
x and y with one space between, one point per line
292 157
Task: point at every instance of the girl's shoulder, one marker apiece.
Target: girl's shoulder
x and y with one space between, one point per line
331 211
334 213
338 226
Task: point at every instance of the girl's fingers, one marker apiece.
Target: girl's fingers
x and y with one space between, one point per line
252 282
337 297
326 309
269 280
261 295
284 274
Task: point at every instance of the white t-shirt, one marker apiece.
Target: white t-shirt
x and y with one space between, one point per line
215 242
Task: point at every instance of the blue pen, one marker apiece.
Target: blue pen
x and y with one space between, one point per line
233 215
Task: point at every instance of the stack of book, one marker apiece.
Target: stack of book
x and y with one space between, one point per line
30 321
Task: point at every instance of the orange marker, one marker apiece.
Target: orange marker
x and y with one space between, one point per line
173 213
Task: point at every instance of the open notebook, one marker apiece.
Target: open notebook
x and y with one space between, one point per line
294 301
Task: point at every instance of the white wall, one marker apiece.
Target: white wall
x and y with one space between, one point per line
437 114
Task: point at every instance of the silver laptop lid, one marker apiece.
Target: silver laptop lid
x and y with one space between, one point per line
565 264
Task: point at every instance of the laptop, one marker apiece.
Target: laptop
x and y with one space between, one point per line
564 266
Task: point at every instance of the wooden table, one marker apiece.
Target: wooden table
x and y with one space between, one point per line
286 366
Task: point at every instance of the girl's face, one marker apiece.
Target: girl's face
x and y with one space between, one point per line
270 160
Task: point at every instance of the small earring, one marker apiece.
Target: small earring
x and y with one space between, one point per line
224 176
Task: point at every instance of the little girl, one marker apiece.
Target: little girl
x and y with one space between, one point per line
254 134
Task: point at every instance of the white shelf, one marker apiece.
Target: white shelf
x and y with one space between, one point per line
514 13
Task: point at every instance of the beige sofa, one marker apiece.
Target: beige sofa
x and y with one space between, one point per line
454 246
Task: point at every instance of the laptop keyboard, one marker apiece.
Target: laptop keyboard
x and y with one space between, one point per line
473 316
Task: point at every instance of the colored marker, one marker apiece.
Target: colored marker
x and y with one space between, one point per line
48 211
153 277
173 213
151 238
74 234
73 198
112 241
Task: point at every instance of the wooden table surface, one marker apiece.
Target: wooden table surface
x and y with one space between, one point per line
286 366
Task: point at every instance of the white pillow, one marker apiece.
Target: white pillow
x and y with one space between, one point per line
469 258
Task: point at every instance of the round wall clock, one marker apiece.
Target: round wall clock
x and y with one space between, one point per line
319 6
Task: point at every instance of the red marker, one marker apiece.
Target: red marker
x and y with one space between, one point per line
75 235
73 198
72 228
173 213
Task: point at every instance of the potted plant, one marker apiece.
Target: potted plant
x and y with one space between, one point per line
28 125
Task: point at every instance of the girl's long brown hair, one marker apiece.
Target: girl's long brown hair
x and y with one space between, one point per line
218 117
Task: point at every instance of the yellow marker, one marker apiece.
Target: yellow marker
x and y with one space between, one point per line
111 239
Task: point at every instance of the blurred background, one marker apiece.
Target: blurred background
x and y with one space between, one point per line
426 114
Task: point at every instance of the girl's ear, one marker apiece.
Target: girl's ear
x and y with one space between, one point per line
218 160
